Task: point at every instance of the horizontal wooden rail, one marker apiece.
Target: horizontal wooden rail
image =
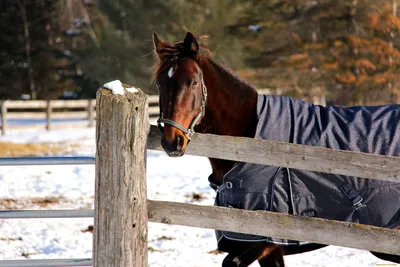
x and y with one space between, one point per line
153 111
153 99
25 104
295 156
54 115
262 223
265 223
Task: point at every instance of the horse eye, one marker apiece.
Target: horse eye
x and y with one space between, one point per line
194 83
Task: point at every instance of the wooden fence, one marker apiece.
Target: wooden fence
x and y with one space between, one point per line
122 209
44 214
55 109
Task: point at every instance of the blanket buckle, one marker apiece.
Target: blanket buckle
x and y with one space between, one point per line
227 185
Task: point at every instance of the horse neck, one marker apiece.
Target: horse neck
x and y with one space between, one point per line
230 110
231 103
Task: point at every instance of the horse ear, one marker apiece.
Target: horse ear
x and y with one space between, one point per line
190 43
158 44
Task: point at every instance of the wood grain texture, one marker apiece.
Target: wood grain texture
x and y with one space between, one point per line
277 225
120 235
295 156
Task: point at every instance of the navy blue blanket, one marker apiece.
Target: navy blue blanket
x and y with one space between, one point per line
337 197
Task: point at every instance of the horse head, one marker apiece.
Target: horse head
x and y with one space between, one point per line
182 91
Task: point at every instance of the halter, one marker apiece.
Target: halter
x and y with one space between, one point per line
188 131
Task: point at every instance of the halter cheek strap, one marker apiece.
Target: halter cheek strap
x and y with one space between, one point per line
188 131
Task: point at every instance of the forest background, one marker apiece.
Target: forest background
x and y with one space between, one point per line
347 51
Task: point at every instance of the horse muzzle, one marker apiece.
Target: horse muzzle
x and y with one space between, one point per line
174 148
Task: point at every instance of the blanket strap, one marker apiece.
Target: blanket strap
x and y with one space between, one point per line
356 199
223 186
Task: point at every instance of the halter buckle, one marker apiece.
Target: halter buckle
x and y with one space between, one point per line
190 134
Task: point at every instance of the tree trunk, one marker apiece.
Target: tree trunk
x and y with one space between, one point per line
28 49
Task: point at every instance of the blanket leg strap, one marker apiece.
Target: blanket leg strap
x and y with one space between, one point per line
357 200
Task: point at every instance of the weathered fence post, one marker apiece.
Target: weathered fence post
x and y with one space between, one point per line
120 214
3 117
48 115
90 112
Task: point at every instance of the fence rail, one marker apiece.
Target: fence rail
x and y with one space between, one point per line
283 154
279 225
46 214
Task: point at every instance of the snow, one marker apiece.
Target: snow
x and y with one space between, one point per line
168 179
132 89
115 86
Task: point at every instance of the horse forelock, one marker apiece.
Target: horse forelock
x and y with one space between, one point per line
170 54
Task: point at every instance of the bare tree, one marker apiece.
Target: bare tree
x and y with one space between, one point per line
27 49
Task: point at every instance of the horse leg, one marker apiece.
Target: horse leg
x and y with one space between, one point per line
267 254
273 258
387 257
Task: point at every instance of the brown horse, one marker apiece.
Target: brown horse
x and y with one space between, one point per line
197 94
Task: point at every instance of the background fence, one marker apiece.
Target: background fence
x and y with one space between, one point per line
43 214
44 113
82 111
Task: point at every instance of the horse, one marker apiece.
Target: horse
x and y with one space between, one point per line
198 95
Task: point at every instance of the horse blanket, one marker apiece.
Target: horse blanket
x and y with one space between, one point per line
330 196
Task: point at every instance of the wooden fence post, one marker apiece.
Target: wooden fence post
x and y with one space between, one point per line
48 115
90 112
120 214
3 117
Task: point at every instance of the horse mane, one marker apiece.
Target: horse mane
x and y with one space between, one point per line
169 55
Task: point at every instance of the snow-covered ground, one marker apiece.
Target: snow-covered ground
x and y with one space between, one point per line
72 187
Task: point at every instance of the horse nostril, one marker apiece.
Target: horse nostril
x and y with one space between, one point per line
166 145
179 142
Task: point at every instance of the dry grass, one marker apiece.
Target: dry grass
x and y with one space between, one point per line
196 197
89 229
9 149
44 202
151 249
215 252
20 203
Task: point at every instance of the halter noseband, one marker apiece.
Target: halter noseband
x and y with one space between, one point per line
188 131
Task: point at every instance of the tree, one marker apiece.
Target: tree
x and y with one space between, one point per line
170 18
32 49
343 47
